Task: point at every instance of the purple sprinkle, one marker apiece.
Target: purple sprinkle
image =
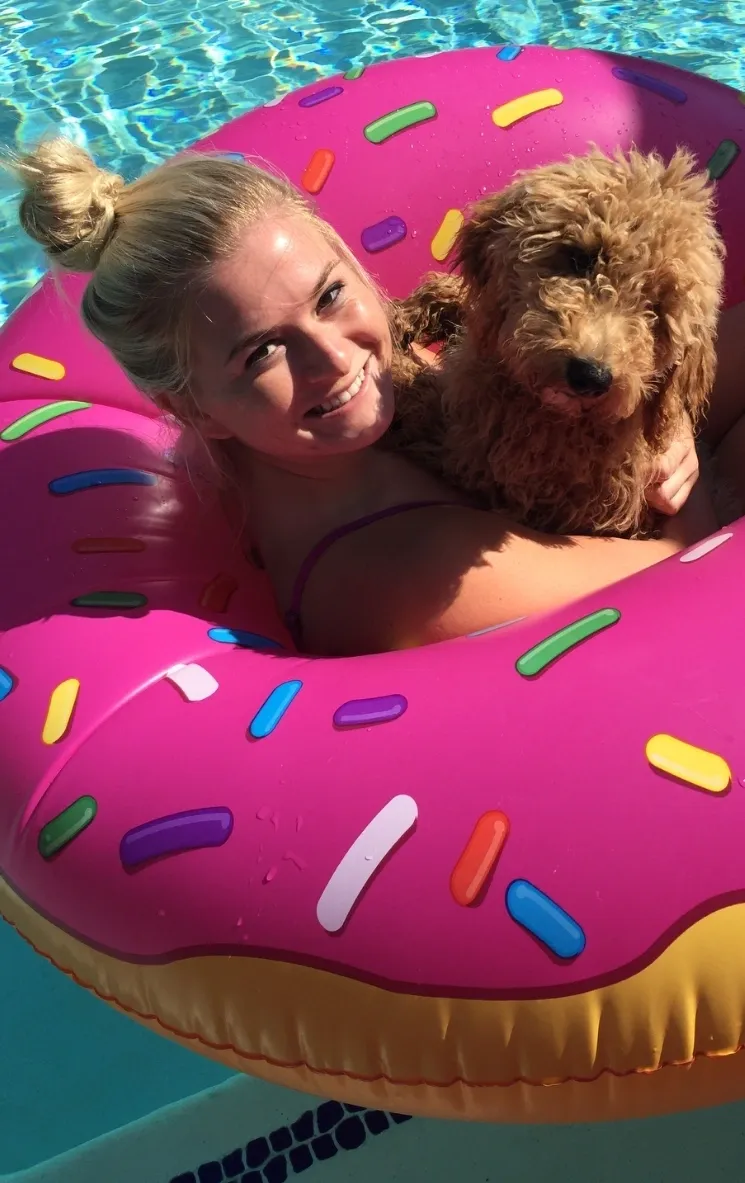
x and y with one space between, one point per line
361 712
174 834
320 96
665 89
383 234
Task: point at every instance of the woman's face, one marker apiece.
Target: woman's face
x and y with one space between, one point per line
290 348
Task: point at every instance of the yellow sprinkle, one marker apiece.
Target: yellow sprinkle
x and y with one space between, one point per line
442 243
527 104
697 767
40 367
61 706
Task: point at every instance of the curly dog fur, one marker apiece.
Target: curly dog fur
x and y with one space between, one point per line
599 266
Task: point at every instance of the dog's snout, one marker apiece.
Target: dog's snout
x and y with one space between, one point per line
587 377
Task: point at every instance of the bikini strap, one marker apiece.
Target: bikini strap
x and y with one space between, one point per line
293 620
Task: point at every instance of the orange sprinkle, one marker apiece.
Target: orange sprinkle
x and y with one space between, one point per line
103 546
479 856
217 594
317 170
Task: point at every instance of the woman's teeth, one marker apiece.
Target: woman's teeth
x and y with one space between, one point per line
339 400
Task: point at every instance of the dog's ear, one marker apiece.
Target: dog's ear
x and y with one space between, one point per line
686 389
477 246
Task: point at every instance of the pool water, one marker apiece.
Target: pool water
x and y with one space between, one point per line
135 80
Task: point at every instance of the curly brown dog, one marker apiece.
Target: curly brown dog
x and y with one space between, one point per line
582 332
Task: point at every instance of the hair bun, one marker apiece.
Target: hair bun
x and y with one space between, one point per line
69 203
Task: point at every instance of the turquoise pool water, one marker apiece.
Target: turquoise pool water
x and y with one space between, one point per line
138 79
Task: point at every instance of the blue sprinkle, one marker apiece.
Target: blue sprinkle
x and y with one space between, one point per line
238 157
239 636
269 715
508 53
536 912
647 82
7 683
94 478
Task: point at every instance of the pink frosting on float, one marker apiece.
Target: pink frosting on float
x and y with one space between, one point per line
632 856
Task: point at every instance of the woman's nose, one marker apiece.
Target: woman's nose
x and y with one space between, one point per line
326 352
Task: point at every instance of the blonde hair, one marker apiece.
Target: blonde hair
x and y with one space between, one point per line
148 244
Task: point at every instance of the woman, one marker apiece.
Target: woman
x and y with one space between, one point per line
242 314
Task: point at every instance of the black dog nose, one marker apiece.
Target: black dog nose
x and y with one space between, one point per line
587 377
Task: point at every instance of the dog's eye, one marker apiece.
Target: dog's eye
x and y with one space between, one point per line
575 260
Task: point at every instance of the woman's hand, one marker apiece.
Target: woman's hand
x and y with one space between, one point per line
675 473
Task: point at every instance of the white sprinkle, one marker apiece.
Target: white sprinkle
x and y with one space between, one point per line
274 102
194 681
493 628
362 860
705 548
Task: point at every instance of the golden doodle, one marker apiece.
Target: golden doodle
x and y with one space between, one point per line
580 332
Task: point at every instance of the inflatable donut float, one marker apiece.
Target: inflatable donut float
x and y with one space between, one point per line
436 881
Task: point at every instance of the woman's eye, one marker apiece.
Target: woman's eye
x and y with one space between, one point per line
261 353
331 295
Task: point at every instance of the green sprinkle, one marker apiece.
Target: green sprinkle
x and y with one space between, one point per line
395 121
37 418
545 652
723 158
110 599
61 830
355 73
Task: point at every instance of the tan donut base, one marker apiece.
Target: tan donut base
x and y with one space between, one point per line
662 1041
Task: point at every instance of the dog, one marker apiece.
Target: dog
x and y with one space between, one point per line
579 335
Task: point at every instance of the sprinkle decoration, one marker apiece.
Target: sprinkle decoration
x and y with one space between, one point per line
39 367
705 548
60 711
399 120
274 709
107 546
96 478
539 915
546 652
447 232
365 712
33 419
239 636
193 829
527 104
320 96
647 82
318 170
110 599
218 593
193 681
697 767
479 857
66 826
7 683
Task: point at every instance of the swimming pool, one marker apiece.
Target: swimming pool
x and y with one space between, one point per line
138 79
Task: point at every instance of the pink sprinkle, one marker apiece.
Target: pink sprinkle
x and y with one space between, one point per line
298 824
263 813
296 859
271 874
